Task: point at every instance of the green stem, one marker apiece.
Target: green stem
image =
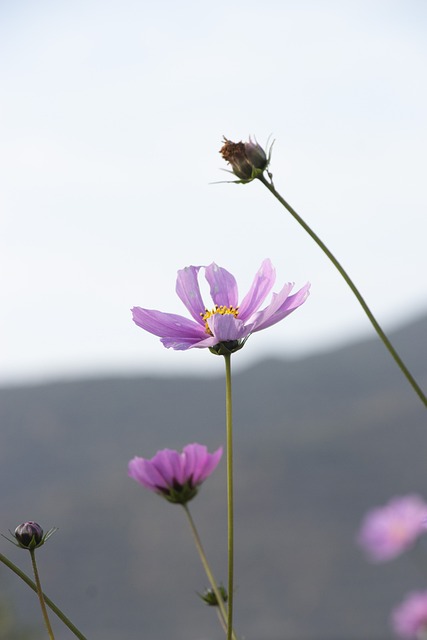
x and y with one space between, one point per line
47 600
353 287
40 594
208 570
230 502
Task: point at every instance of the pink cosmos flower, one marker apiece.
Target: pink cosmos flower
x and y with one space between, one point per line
388 531
175 475
228 322
409 619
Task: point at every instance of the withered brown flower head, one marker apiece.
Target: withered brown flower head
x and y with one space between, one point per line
247 159
234 153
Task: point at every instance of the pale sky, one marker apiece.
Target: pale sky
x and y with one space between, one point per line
112 115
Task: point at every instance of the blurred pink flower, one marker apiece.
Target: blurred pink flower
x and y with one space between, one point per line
228 322
388 531
174 475
409 619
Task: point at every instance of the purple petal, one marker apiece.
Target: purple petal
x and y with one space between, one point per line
143 472
170 465
199 463
195 458
261 287
188 290
207 466
223 286
183 344
211 341
276 302
192 453
226 327
280 307
168 326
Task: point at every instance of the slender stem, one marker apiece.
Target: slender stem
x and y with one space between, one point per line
353 287
40 594
230 501
222 622
222 609
47 600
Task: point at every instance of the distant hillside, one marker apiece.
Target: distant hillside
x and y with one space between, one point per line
318 441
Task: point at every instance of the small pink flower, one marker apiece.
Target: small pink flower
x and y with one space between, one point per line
227 322
409 619
388 531
174 475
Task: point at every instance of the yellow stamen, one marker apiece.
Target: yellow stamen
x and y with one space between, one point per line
222 310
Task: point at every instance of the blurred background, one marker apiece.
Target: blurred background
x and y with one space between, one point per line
112 116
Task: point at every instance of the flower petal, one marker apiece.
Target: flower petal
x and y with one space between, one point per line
210 464
211 341
146 474
170 465
226 327
188 290
199 463
261 287
193 453
281 306
277 300
170 327
181 344
223 286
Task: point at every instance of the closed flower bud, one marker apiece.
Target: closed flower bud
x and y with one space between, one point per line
29 535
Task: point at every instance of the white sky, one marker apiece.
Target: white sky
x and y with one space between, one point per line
111 118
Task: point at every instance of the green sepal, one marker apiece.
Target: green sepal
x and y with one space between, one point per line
226 348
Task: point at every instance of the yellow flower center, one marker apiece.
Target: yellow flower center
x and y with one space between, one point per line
222 310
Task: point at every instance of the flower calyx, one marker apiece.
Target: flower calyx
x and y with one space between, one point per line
227 348
178 493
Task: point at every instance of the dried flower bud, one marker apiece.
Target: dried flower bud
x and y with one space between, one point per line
248 160
210 598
